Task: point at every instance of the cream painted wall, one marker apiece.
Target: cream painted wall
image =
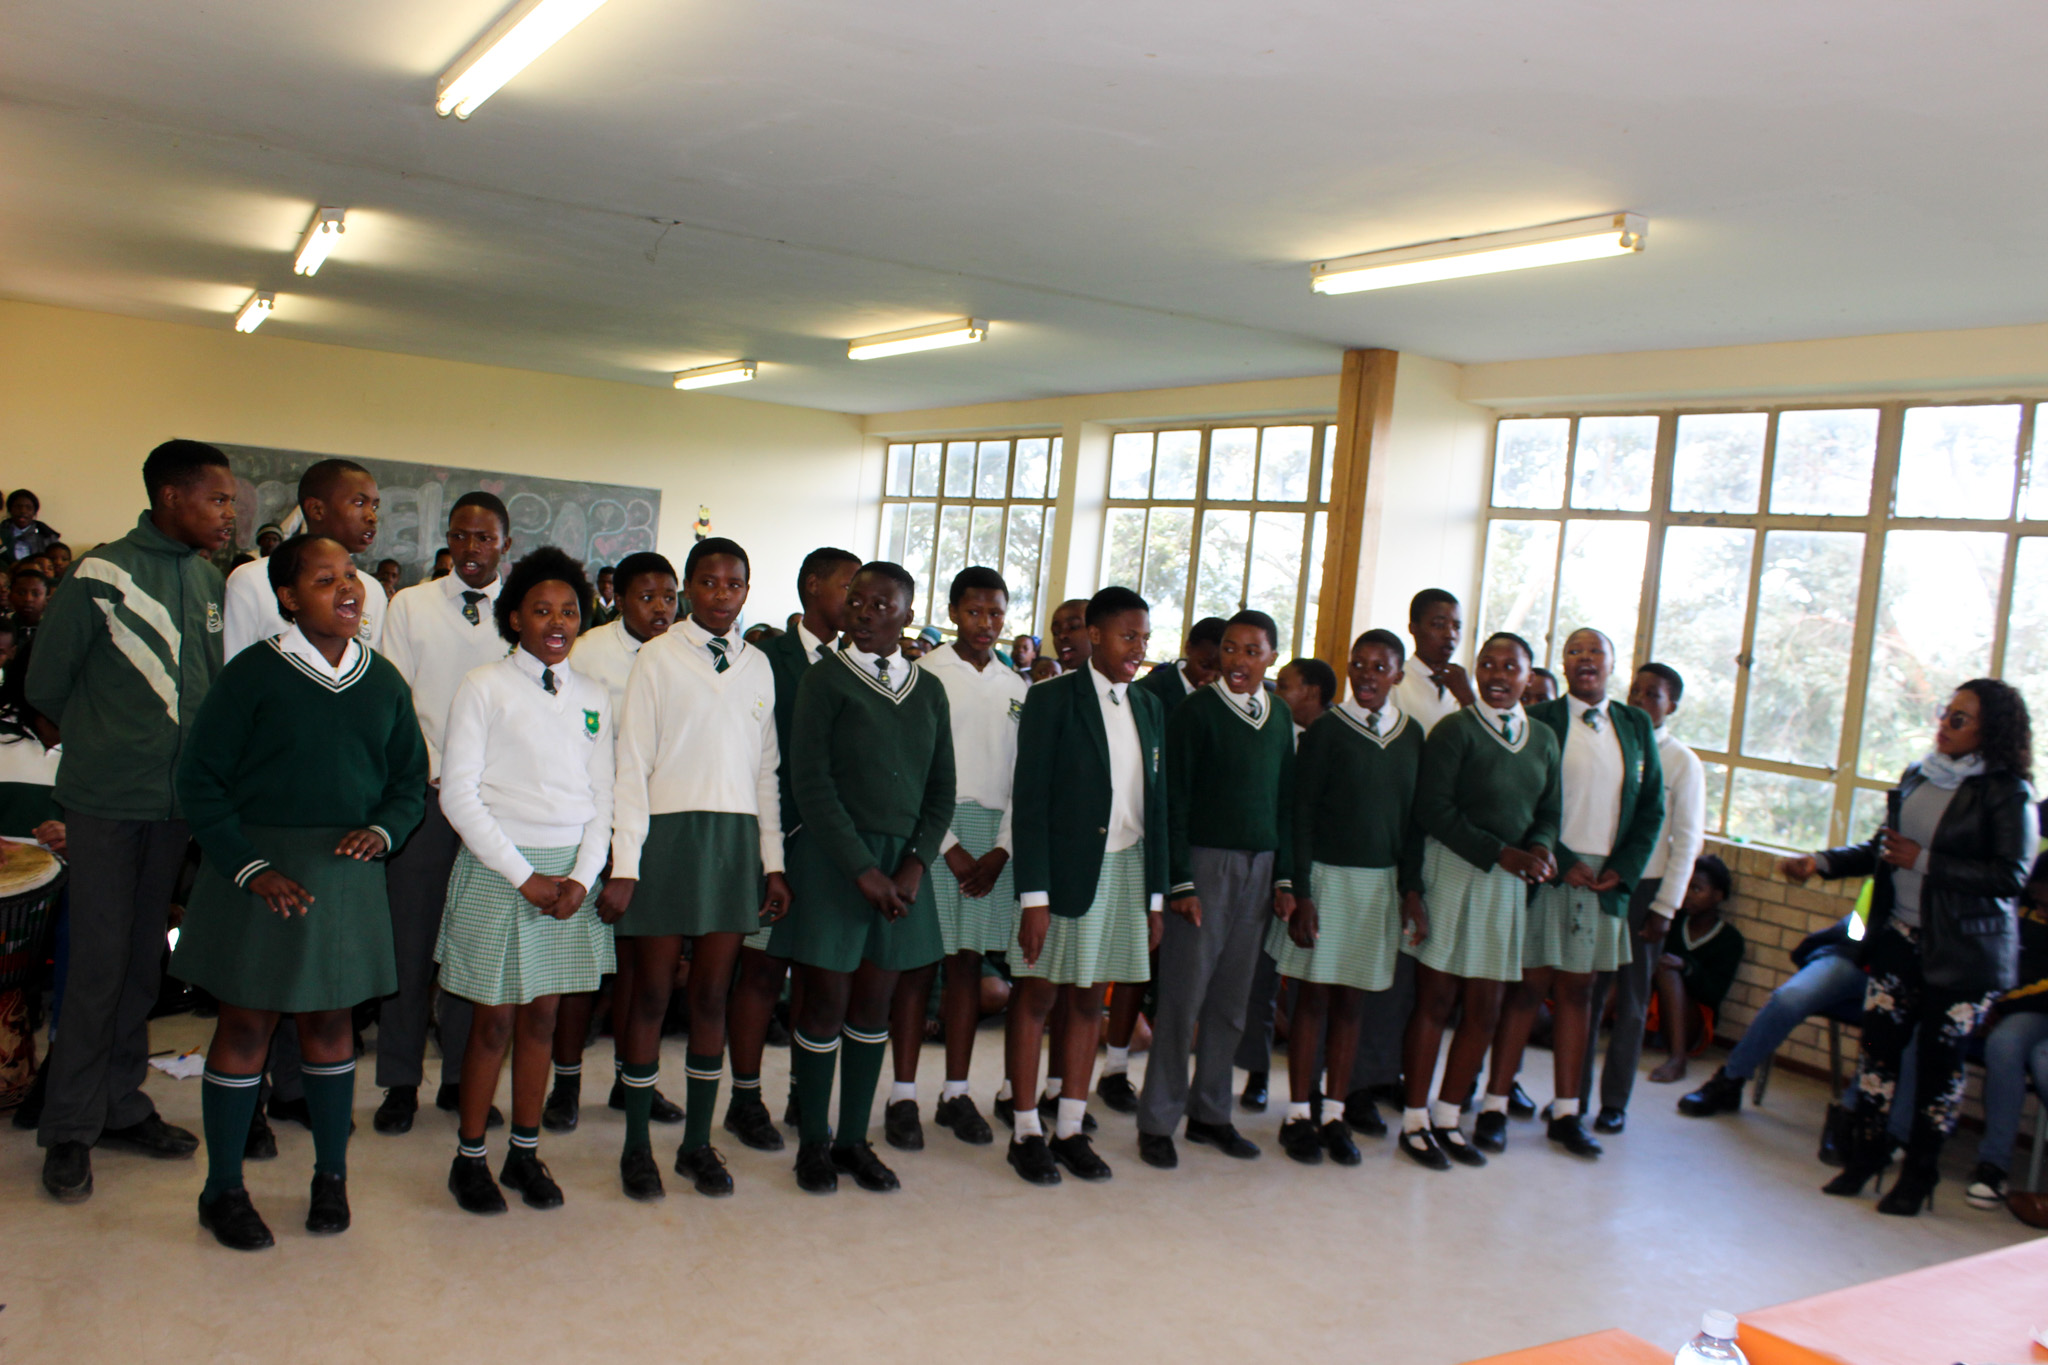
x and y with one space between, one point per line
84 396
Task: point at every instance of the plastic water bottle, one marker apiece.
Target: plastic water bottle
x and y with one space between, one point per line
1715 1343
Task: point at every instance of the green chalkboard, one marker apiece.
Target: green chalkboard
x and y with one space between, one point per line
599 523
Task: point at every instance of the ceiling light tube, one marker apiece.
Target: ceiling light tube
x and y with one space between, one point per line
1581 239
960 332
528 29
255 310
710 376
320 239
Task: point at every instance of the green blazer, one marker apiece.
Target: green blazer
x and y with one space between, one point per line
788 662
1642 794
1059 804
1166 683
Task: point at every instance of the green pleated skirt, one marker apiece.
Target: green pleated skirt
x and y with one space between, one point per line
831 925
1358 930
700 873
334 956
1477 917
1107 942
498 948
1570 932
984 924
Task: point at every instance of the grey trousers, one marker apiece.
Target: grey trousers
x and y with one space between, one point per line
1631 988
416 880
1255 1049
1382 1023
123 873
1205 975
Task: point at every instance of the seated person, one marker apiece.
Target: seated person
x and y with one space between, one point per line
2015 1047
1698 964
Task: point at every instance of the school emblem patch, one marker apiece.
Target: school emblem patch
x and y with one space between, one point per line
590 723
1016 710
214 624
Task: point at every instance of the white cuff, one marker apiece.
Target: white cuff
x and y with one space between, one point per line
385 835
1157 905
1032 900
948 843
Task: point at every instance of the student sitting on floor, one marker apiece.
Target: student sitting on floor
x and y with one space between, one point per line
1698 965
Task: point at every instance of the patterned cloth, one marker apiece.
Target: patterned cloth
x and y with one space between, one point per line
1358 930
1897 1004
987 924
1107 943
496 948
1569 931
1477 917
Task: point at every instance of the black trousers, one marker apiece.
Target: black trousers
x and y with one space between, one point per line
1897 1001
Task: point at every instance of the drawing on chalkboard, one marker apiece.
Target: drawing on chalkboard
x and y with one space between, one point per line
703 526
598 523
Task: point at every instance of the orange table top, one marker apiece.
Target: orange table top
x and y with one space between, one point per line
1612 1347
1981 1308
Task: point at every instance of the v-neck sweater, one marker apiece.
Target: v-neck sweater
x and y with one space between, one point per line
1229 783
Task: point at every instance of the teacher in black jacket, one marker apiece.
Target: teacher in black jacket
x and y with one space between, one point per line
1943 938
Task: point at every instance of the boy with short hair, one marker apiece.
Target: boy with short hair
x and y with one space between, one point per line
1432 686
28 593
1174 683
340 502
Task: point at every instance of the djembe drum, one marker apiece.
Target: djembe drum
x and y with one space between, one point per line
31 879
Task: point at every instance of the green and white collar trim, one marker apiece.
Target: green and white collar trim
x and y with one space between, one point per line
1266 702
1392 720
298 651
865 672
1517 720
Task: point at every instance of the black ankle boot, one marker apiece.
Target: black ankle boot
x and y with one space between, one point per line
1914 1189
1867 1156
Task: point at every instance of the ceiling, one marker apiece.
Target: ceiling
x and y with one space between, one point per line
1131 191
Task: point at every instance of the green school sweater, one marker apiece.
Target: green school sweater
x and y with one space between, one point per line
1708 967
276 745
1229 784
1166 683
1354 798
1476 795
865 761
788 662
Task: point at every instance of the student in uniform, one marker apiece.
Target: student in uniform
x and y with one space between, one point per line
871 763
1697 965
821 582
1230 817
1197 667
1358 879
696 849
1089 817
1487 802
526 781
1542 687
647 607
122 662
606 609
1069 632
305 768
1612 812
339 501
434 634
1432 686
1307 687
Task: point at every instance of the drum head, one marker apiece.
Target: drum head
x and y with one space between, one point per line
24 867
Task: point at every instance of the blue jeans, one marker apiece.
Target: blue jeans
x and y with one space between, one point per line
2016 1047
1823 986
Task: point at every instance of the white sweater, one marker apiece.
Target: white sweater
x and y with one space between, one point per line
251 613
693 738
522 768
433 646
605 656
985 705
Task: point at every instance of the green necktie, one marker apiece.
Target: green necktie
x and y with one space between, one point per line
1591 715
1372 722
882 672
719 663
1507 727
470 597
547 681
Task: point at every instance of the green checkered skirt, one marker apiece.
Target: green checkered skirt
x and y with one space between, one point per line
1477 917
987 924
1569 931
1108 942
1358 930
497 948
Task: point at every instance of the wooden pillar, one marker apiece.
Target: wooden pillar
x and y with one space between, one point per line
1365 410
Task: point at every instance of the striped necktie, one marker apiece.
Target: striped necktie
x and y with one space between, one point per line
1591 715
547 681
719 663
470 597
882 672
1507 726
1372 722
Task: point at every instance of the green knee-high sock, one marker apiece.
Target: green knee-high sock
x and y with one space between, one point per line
810 1070
226 1106
860 1070
700 1095
330 1103
639 1082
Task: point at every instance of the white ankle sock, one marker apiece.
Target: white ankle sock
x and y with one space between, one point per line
952 1090
1027 1124
903 1090
1333 1108
1297 1110
1564 1109
1444 1114
1414 1120
1072 1113
1003 1090
1119 1061
1052 1087
1494 1104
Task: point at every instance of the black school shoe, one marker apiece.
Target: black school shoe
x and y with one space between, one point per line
1490 1131
815 1173
1224 1138
662 1110
67 1172
858 1160
1078 1155
448 1099
1157 1150
395 1114
525 1172
1520 1106
705 1166
1117 1092
261 1144
1722 1094
1419 1145
960 1115
1049 1113
1253 1100
290 1111
639 1177
327 1208
1610 1119
564 1107
1362 1114
901 1127
1300 1140
749 1121
234 1222
1451 1142
1337 1143
1569 1133
152 1137
1032 1159
469 1180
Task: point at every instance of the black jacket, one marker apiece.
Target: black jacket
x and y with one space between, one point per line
1969 901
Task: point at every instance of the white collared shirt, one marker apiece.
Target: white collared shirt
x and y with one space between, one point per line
605 655
1126 776
815 650
700 638
434 647
293 641
1385 718
986 704
1684 832
871 664
1591 779
1419 698
1254 703
250 614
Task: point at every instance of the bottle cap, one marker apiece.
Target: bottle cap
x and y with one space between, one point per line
1719 1322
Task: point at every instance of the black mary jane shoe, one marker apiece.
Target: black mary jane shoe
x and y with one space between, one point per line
1610 1120
1452 1142
1032 1159
1049 1113
1420 1147
961 1115
1300 1140
234 1222
327 1207
1490 1132
749 1121
525 1172
1255 1096
1157 1150
640 1176
1224 1138
469 1180
564 1107
395 1114
261 1144
858 1160
901 1126
1006 1112
1079 1156
815 1172
705 1166
1570 1133
1362 1114
1118 1093
152 1137
1337 1143
1520 1106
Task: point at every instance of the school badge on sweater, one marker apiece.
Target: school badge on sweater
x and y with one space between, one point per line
590 722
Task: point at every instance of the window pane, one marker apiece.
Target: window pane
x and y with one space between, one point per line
1528 462
1935 610
1824 462
924 470
1020 567
1616 457
891 547
1702 594
1866 813
1052 477
917 542
2026 630
1219 572
1788 812
1123 548
960 469
1521 559
1030 472
1231 454
1805 621
984 542
1130 464
952 558
992 469
1314 585
897 484
1276 571
1717 795
1178 461
1283 466
1719 463
1329 458
1959 462
1601 584
1169 537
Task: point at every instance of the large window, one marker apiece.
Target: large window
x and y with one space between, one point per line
950 504
1207 521
1823 578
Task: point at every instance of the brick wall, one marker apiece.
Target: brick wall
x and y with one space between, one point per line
1773 916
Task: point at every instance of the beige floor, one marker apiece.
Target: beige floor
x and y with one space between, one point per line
1219 1260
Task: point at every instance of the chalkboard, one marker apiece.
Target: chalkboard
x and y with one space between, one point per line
599 523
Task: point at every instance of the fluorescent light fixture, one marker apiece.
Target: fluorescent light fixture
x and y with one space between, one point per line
320 239
1581 239
960 332
255 310
527 29
710 376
